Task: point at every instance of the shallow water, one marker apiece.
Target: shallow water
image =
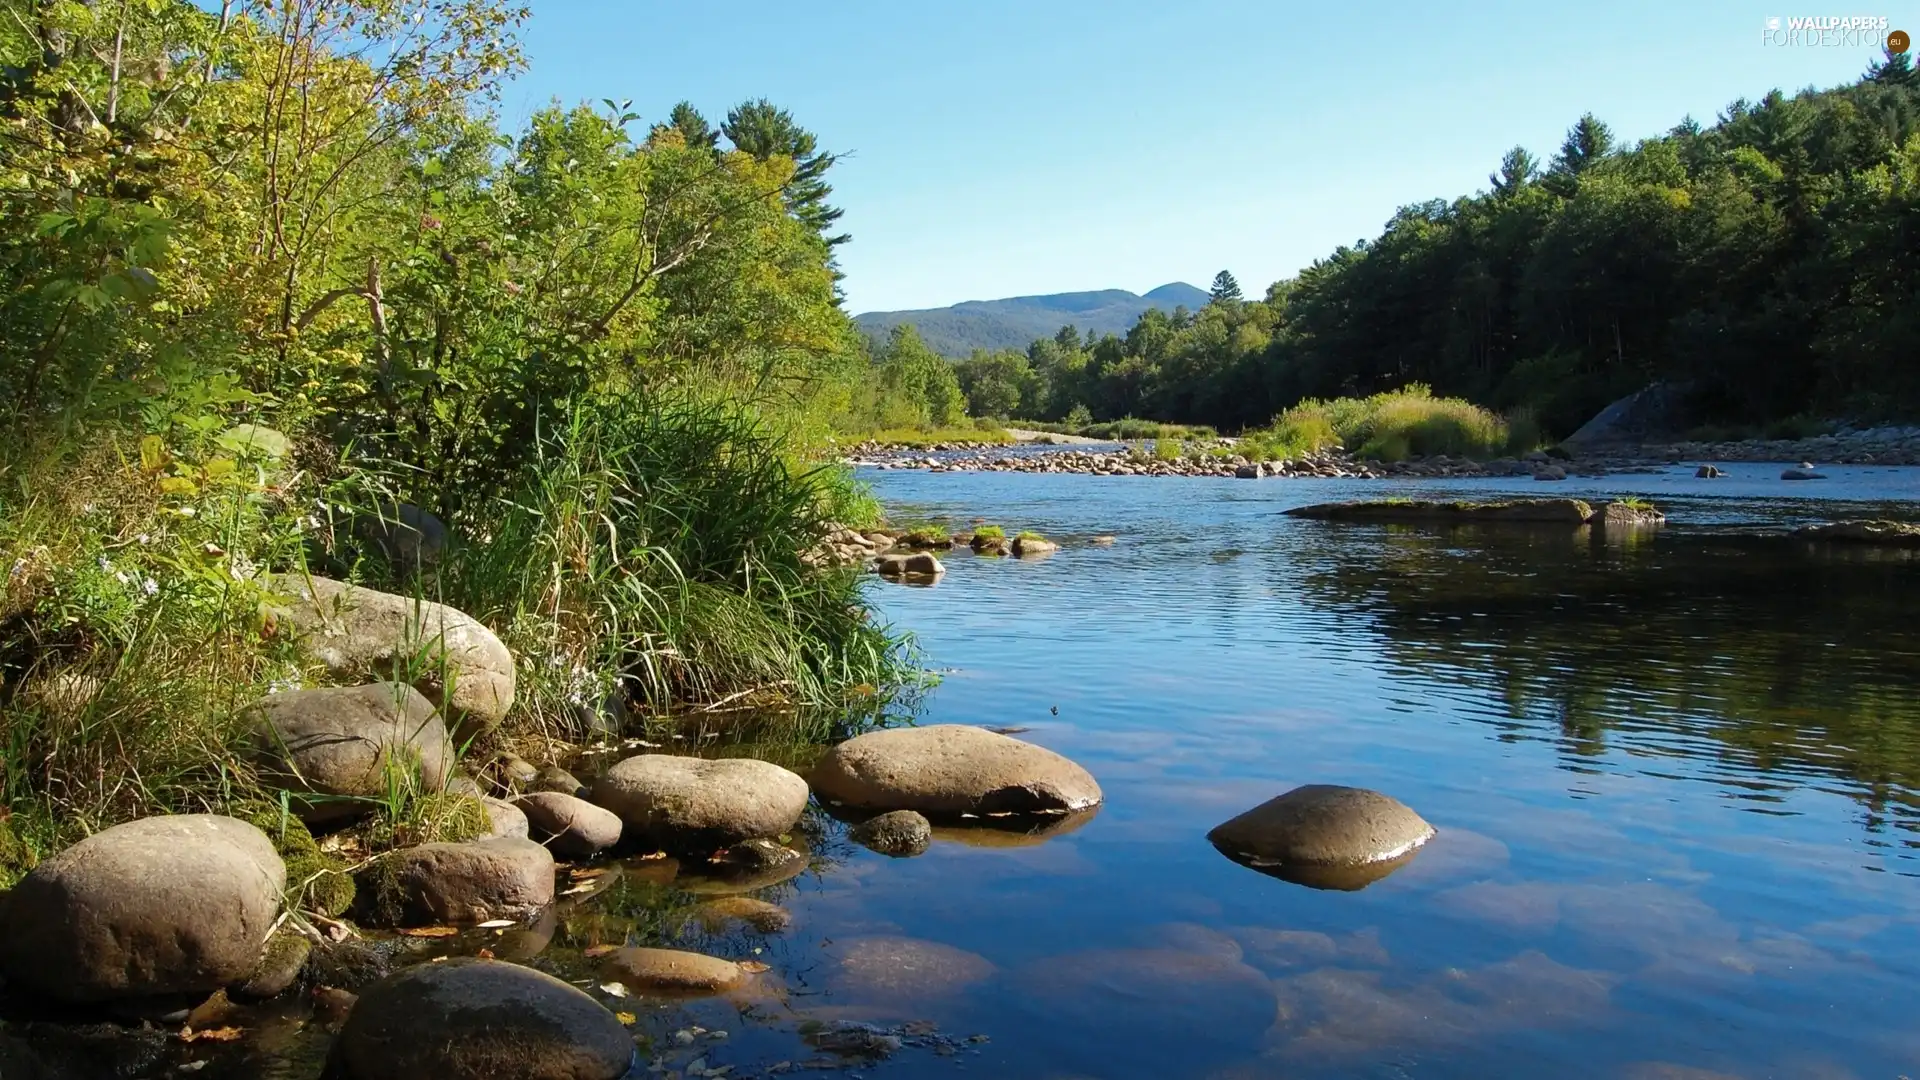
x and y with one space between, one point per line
1676 782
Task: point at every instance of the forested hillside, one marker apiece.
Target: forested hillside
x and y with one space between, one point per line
1011 323
1766 261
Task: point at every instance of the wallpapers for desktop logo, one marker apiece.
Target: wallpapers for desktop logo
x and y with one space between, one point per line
1834 31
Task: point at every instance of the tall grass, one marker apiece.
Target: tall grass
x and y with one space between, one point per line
1389 427
651 551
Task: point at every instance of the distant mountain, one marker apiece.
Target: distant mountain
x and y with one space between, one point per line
1013 323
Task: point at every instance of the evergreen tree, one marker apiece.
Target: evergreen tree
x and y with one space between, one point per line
692 126
1517 169
1587 142
1896 70
1225 289
764 130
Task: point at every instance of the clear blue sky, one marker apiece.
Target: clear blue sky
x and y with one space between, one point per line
1005 148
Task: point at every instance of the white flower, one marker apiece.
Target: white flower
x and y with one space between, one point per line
150 587
144 538
106 566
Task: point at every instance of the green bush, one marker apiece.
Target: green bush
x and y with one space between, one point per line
1389 427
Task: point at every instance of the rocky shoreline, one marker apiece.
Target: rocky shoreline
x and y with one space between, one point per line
1875 446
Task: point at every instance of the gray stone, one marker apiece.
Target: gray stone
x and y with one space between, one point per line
336 745
1804 471
444 653
569 825
687 804
897 833
504 819
555 778
952 769
163 905
1708 472
497 878
1320 828
920 564
466 1019
1028 547
408 537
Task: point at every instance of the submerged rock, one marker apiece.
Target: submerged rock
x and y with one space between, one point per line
498 878
1804 471
1412 511
465 1019
695 804
890 969
164 905
759 915
355 631
570 826
1882 533
338 745
748 866
898 833
952 769
1325 836
673 972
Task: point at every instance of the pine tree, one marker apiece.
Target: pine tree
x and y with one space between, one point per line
760 128
692 126
1517 169
1225 289
1896 70
1587 142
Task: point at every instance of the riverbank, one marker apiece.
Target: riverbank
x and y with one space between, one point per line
1219 458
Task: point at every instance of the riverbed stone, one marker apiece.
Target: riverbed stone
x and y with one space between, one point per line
1708 472
689 804
988 544
1857 531
1323 827
504 819
336 745
888 968
1620 515
949 769
280 965
1027 547
1415 511
759 915
920 564
672 972
1802 471
179 904
555 778
496 878
408 537
355 631
898 833
748 866
469 1019
570 825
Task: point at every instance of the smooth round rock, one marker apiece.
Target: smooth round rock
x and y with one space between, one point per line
952 769
504 819
466 1019
568 825
338 744
281 964
498 878
1323 826
350 630
555 778
757 915
673 972
165 905
888 968
898 833
684 803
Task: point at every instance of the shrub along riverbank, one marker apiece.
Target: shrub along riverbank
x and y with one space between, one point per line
572 380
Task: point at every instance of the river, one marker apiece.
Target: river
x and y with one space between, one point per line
1676 779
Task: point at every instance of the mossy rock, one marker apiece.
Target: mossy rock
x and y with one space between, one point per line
439 817
316 880
16 856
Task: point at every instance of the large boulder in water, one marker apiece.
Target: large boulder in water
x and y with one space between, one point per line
497 878
1658 410
691 804
164 905
338 745
444 653
672 972
1325 835
465 1019
949 769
